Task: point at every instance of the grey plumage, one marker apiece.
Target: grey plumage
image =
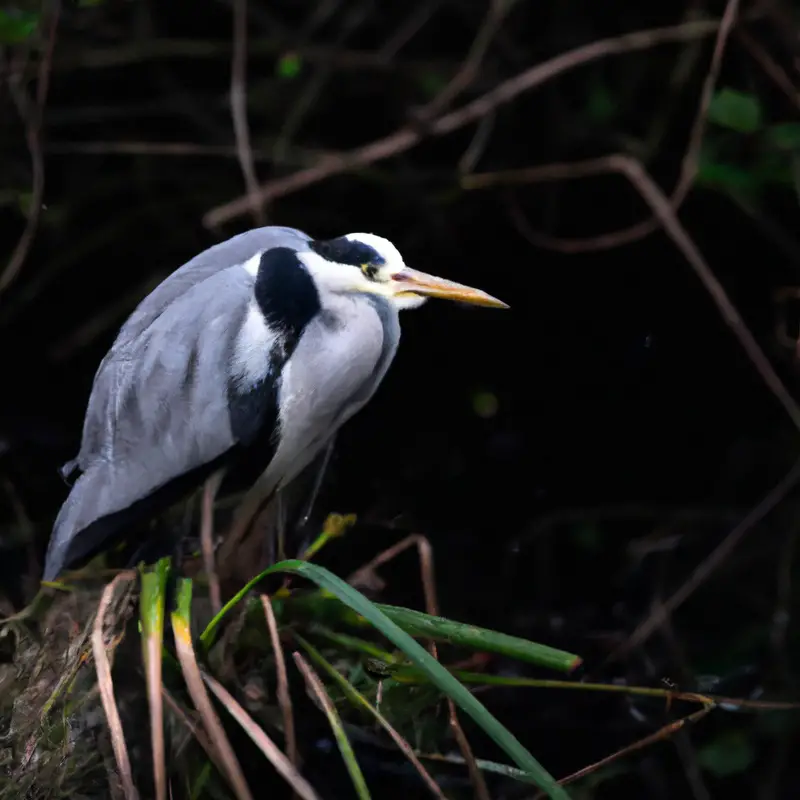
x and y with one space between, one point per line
224 255
269 341
149 399
158 408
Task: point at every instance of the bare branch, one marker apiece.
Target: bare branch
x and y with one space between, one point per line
662 733
210 489
687 175
239 109
468 70
106 686
770 67
707 566
406 138
284 697
665 213
33 133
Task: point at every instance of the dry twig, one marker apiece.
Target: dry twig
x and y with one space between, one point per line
33 133
106 686
210 489
665 213
659 735
284 697
686 178
202 702
282 764
317 688
770 67
471 65
706 567
365 575
239 109
505 92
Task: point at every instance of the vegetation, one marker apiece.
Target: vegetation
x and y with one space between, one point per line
607 480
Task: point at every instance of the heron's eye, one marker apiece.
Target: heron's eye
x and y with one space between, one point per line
370 271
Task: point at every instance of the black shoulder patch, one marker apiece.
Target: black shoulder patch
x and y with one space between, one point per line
288 299
286 293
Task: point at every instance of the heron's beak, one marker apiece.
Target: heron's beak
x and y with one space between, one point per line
412 281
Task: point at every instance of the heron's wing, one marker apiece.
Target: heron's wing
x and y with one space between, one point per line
235 250
158 410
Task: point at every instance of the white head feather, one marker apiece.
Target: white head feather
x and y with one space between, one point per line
345 278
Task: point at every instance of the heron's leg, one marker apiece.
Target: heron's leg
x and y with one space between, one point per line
323 468
303 535
280 529
242 518
210 489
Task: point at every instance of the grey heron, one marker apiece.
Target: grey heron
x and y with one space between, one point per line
263 344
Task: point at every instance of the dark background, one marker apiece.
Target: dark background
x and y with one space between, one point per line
627 431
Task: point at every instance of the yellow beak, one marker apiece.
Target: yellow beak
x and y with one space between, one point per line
421 283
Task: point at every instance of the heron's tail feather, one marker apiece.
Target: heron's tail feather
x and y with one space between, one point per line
78 532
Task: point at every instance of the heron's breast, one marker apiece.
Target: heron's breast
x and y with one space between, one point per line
334 362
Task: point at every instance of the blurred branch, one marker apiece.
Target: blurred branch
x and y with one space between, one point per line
662 208
295 155
706 567
239 108
687 175
162 49
315 86
661 734
770 67
107 317
471 65
406 138
414 23
665 213
32 117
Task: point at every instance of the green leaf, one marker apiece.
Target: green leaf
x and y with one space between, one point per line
432 83
734 110
17 26
728 754
485 404
726 177
601 106
587 537
289 65
435 672
784 136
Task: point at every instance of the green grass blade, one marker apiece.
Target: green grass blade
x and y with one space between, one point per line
335 527
439 629
487 766
345 748
359 701
151 611
435 672
353 643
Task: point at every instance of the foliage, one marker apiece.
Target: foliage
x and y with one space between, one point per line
576 466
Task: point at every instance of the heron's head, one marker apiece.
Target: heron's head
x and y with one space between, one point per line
366 263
